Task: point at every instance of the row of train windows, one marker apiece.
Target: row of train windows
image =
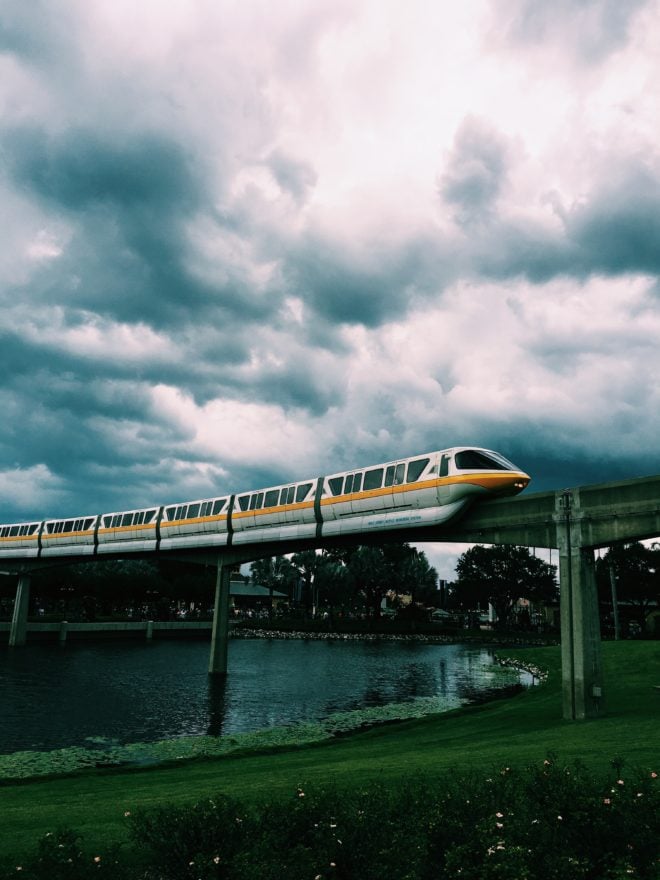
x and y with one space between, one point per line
19 531
192 511
69 525
274 497
135 518
394 475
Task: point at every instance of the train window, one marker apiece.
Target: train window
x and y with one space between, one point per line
283 495
260 500
127 519
348 485
416 468
13 531
170 511
139 518
150 514
373 479
253 502
335 484
217 506
357 482
291 494
244 502
68 526
193 511
472 460
400 475
116 520
302 490
272 498
389 475
444 465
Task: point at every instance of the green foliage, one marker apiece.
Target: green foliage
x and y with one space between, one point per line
351 578
549 821
636 568
60 856
501 575
195 842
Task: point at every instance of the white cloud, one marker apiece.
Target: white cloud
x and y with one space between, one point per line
32 488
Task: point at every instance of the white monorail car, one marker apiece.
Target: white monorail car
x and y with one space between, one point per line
424 490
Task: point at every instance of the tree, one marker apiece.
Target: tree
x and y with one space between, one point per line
276 573
637 571
502 575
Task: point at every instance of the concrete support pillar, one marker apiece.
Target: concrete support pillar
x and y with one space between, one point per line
64 626
18 631
582 676
220 631
150 630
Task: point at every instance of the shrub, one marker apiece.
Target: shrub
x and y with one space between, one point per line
201 841
543 823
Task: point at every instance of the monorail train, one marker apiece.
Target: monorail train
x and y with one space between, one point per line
424 490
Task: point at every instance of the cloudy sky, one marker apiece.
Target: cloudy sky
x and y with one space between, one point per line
246 242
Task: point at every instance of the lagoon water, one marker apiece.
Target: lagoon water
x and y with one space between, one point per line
52 697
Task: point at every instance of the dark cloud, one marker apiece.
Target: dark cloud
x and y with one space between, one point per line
38 32
370 284
613 230
476 171
588 29
78 168
293 176
617 228
129 201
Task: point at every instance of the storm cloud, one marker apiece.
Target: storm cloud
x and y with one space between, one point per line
246 245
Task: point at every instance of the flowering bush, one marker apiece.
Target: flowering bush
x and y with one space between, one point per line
545 822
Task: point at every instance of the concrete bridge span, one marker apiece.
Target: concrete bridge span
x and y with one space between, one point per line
574 521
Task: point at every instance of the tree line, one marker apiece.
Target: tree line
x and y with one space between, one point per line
352 580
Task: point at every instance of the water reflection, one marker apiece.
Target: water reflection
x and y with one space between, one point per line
53 698
217 697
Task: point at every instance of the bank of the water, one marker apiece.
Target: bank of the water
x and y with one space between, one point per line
483 738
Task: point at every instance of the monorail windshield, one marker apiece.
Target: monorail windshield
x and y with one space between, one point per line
473 460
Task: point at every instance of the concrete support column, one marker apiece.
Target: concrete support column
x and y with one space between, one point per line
18 631
582 675
64 626
150 630
220 631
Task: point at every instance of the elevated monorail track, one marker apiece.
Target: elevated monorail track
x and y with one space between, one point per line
574 521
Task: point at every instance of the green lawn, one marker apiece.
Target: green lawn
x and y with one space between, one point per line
517 731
